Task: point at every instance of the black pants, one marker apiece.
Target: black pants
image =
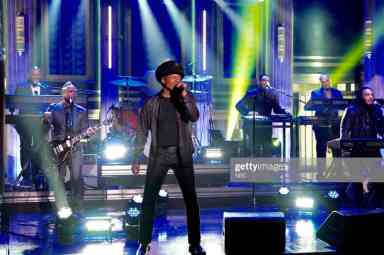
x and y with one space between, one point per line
323 135
261 144
29 130
165 159
73 163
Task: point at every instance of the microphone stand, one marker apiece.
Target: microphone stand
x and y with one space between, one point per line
286 94
254 147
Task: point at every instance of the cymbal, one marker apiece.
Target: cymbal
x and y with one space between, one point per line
197 78
128 83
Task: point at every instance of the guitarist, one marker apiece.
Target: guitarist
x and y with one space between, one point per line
68 119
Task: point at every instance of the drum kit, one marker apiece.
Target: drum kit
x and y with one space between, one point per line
137 91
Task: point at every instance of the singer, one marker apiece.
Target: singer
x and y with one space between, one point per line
68 119
260 101
167 116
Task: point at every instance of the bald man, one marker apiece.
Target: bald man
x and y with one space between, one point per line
327 129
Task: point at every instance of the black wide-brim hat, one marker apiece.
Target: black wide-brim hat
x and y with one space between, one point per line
167 68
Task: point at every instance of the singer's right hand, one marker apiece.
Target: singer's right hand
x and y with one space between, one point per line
182 86
135 169
47 116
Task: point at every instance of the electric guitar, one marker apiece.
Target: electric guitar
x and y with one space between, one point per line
61 149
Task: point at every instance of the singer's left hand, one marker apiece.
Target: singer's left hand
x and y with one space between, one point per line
182 86
91 131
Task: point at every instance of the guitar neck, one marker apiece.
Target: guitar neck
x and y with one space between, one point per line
77 138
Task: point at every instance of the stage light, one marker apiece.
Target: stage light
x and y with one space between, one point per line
98 224
155 43
162 237
304 203
114 151
333 194
64 213
110 37
364 45
214 153
284 191
204 40
247 52
305 228
183 28
133 211
163 193
231 14
276 142
137 199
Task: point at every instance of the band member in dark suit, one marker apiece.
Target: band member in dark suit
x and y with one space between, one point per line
68 119
30 138
328 129
263 100
167 116
364 120
33 87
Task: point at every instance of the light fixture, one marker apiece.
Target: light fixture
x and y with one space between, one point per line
214 153
114 151
98 224
304 202
283 191
333 194
64 213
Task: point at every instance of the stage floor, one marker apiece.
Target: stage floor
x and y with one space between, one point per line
34 233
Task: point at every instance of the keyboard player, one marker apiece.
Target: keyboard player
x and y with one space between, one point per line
261 99
364 119
326 129
29 128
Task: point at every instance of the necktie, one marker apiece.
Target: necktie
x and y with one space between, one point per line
69 120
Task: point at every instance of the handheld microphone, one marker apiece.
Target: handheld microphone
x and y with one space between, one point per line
178 90
70 100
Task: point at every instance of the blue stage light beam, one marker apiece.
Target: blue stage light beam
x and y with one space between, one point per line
155 43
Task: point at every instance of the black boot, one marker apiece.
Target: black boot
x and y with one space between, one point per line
143 250
197 250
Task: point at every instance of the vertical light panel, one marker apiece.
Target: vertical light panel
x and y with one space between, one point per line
110 37
204 40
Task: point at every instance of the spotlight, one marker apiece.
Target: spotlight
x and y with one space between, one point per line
275 142
214 153
137 199
305 202
305 228
283 190
98 224
163 193
64 213
162 204
333 194
115 151
133 211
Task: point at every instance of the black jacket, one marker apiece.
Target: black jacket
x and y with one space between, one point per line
360 121
263 100
148 120
58 118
